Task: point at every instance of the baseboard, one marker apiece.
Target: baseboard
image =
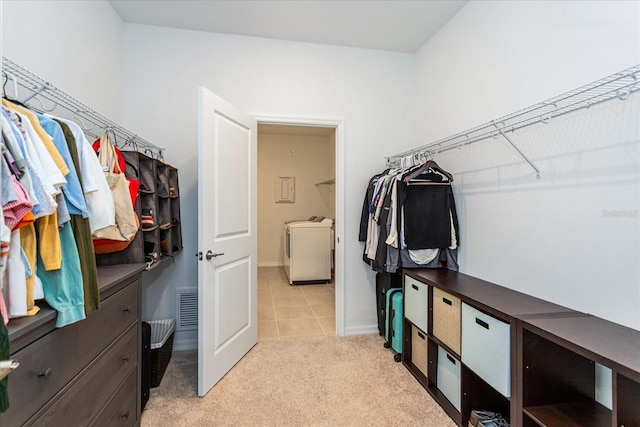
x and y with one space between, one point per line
185 344
269 264
361 330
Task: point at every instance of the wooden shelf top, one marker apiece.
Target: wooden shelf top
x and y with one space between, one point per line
598 339
586 413
44 321
485 295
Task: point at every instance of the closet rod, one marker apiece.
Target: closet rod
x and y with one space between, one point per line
616 86
327 182
39 89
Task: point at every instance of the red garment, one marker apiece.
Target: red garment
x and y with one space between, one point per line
134 184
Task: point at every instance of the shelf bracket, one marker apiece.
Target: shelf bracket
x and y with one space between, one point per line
524 156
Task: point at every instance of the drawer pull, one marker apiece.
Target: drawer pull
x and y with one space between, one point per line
451 359
420 335
415 287
125 415
125 358
44 374
447 301
127 309
482 323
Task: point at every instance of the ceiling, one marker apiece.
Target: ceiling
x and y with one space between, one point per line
392 25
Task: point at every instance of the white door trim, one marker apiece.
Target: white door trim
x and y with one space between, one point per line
339 125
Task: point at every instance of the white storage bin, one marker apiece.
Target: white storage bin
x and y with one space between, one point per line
486 348
416 306
446 319
448 377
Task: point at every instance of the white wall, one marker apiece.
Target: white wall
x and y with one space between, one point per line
370 90
74 45
309 159
555 238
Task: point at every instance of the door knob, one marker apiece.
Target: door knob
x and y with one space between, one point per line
210 255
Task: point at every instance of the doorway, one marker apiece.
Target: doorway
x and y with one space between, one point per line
298 174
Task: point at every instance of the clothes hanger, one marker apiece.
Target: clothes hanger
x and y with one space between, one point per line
425 167
15 89
6 80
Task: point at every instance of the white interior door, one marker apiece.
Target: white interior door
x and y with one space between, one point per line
227 237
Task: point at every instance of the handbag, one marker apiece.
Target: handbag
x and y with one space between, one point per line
117 237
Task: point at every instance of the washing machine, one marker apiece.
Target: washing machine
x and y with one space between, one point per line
308 250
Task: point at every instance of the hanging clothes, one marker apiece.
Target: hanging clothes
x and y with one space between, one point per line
82 236
409 219
43 258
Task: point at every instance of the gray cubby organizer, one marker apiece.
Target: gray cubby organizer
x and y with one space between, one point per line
159 195
537 363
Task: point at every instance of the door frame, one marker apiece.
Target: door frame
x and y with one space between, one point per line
339 125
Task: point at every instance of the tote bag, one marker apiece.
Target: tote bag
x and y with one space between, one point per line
120 235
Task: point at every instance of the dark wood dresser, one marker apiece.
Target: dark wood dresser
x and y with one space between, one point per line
86 373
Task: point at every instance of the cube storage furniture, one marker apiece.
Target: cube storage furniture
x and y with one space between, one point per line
535 362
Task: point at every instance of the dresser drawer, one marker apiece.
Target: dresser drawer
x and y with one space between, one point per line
446 319
51 362
122 409
448 377
419 347
416 306
87 395
486 348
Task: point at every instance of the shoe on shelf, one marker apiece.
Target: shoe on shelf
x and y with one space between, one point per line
478 417
163 225
496 422
146 219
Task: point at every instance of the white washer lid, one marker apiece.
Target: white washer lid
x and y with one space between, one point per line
325 223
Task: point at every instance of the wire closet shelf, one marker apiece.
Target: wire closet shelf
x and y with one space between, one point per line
617 86
89 119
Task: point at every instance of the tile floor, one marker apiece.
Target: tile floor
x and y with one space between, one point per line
286 311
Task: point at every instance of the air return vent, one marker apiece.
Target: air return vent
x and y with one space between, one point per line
187 300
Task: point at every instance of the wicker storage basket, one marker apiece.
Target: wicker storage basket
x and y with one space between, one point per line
419 350
162 332
446 319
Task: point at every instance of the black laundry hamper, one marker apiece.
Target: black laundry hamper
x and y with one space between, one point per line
157 346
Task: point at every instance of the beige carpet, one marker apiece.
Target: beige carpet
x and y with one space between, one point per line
317 381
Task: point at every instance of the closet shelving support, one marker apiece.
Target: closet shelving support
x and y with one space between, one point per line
327 182
620 86
90 120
